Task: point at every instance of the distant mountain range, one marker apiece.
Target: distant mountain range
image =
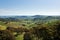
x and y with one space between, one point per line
32 17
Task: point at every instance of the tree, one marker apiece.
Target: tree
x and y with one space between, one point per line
6 35
27 36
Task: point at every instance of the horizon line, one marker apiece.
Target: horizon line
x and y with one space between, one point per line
30 15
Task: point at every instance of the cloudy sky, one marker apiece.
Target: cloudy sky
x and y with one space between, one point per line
29 7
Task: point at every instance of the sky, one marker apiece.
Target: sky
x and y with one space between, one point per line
29 7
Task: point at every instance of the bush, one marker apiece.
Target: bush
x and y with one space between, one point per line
6 35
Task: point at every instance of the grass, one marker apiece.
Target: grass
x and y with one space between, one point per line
20 37
2 27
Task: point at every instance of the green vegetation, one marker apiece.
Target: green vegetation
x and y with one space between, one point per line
20 37
30 28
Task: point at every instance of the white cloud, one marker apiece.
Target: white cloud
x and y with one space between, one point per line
25 12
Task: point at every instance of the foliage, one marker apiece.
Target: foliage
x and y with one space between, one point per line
30 28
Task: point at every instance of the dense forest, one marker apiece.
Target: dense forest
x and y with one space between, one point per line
36 27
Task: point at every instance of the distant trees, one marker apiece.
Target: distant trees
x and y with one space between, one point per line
41 31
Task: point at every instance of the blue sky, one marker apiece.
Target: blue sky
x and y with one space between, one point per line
30 7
